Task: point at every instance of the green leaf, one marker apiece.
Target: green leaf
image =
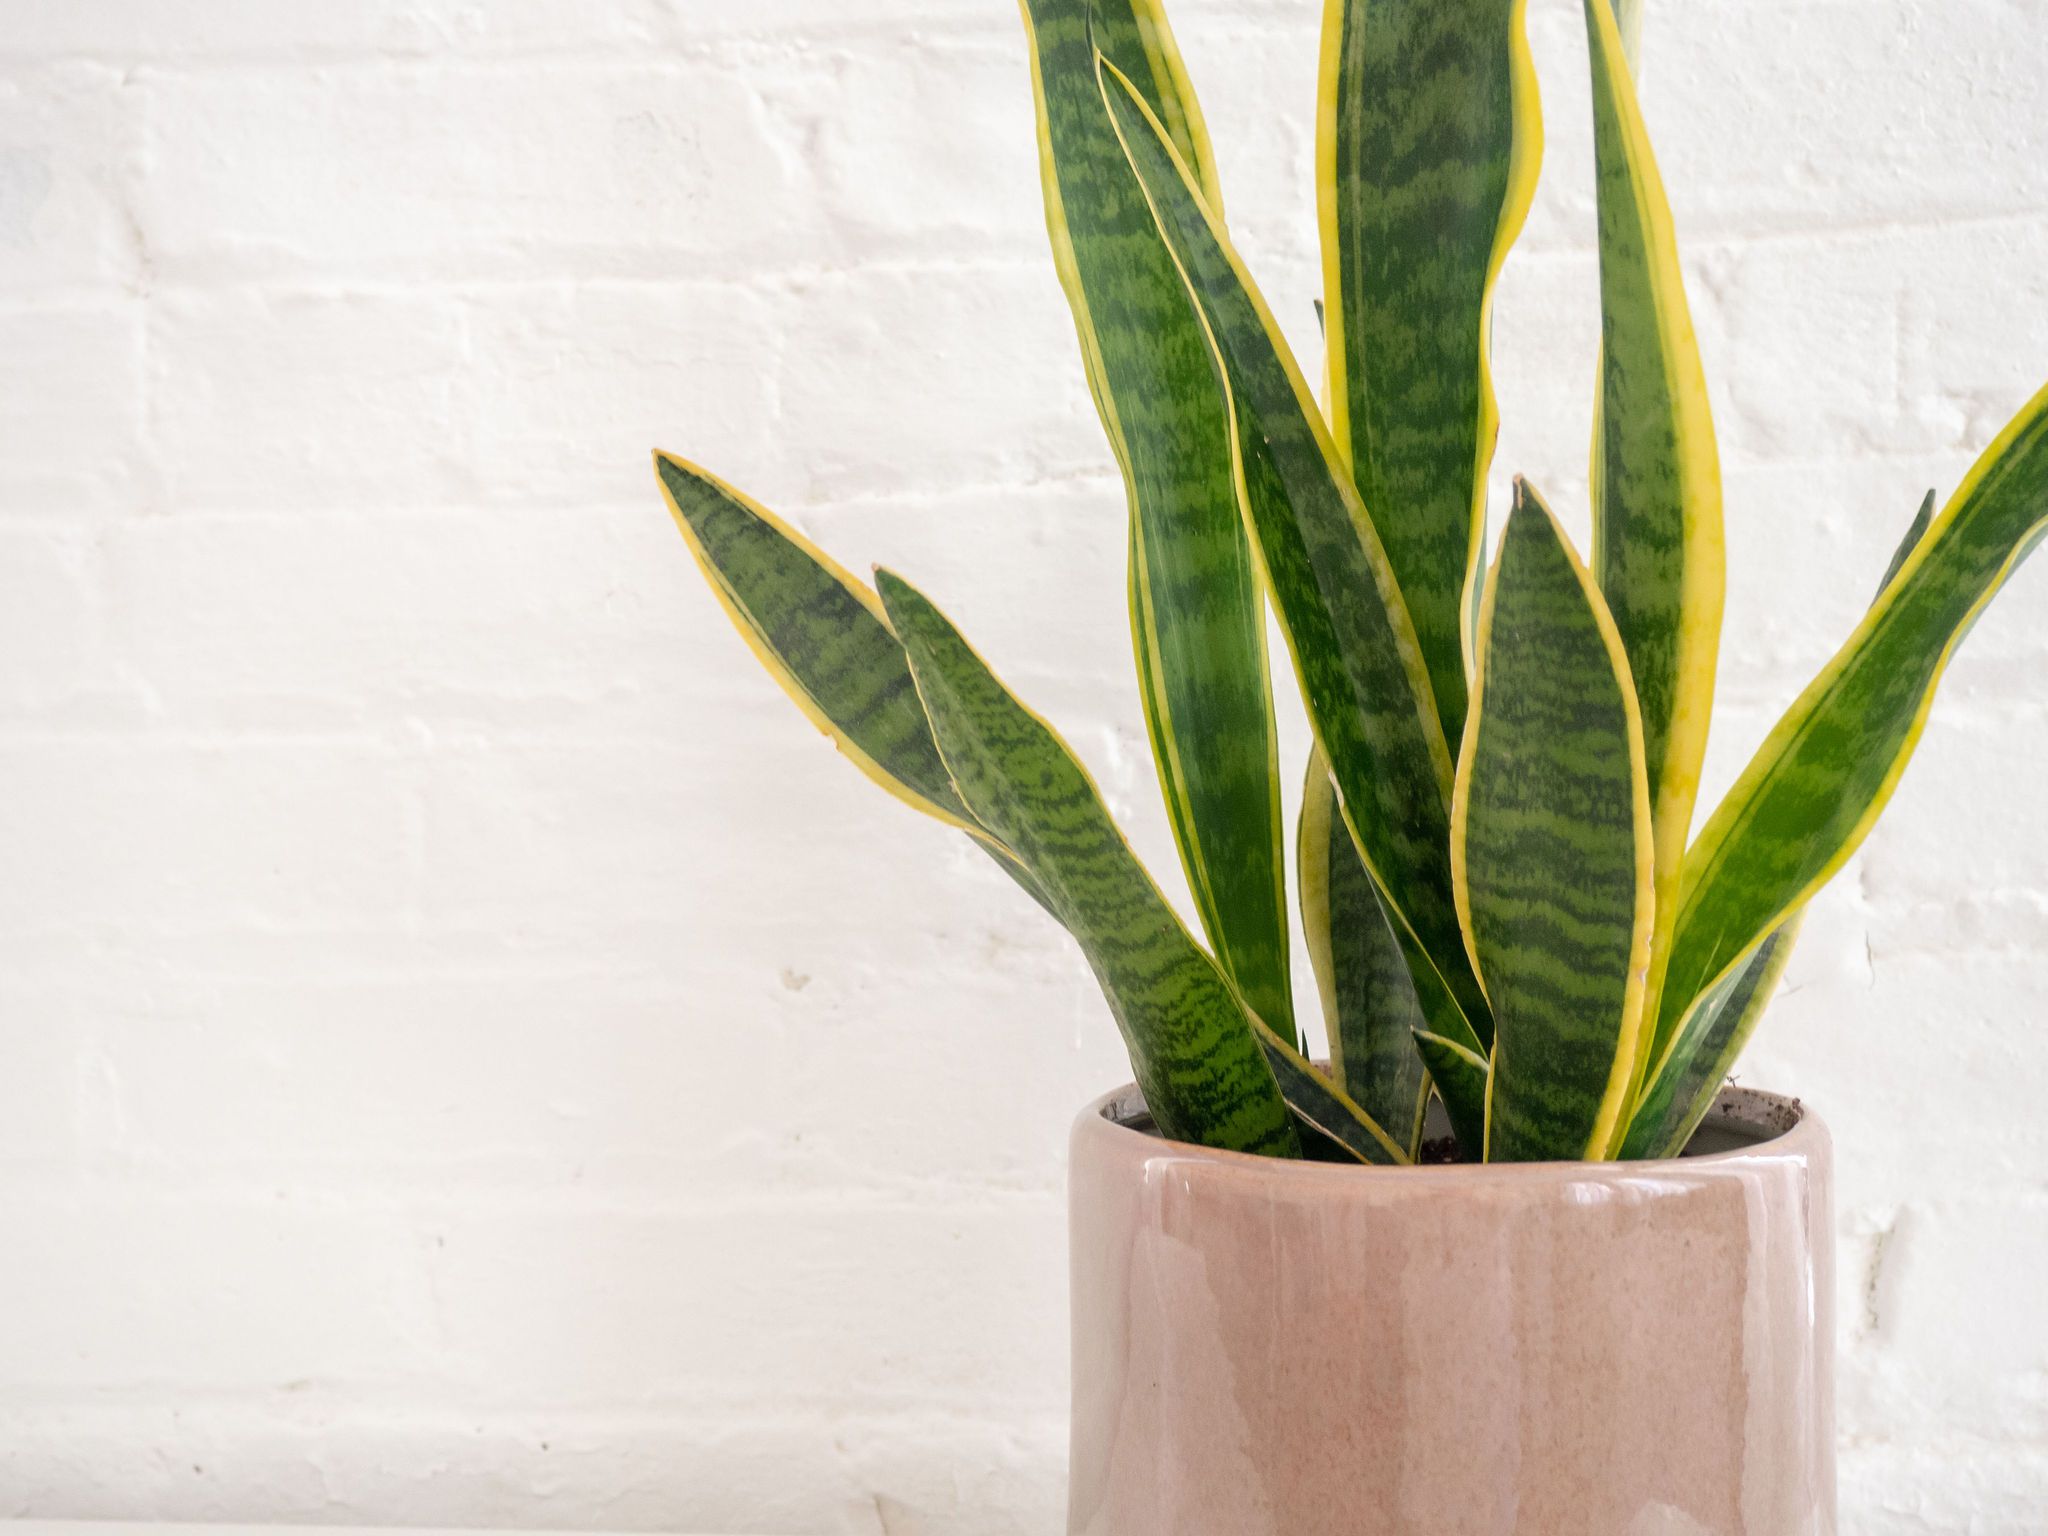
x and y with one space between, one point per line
1812 792
1369 1002
1325 1108
822 635
1914 533
1428 142
818 631
1197 614
1462 1077
1657 538
1716 1027
1715 1032
1354 648
1194 1048
1550 842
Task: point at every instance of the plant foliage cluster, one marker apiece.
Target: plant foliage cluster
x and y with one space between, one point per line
1502 893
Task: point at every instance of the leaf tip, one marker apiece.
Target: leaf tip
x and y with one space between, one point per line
902 603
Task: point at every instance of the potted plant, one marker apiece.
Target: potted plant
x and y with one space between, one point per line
1602 1304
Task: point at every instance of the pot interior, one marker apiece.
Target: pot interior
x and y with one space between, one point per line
1740 1119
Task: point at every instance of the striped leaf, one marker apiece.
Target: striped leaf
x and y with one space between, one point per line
822 635
1462 1077
1369 1004
1193 1046
1428 141
1810 795
1331 1115
1717 1025
1353 646
1550 843
1715 1032
1657 542
1197 615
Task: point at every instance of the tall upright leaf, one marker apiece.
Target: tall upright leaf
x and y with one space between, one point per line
1195 1050
1348 631
1369 1002
1813 790
1657 540
1197 614
1428 141
1551 846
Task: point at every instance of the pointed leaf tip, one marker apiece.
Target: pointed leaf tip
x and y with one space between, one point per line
1551 850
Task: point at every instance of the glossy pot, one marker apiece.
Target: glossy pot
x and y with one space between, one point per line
1266 1348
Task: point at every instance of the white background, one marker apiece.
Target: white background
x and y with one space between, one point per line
469 1052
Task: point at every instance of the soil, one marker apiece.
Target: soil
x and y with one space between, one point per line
1438 1149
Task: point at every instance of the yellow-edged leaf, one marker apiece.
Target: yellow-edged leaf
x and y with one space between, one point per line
1657 536
1552 852
1197 613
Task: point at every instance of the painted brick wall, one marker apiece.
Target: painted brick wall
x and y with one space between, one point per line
470 1053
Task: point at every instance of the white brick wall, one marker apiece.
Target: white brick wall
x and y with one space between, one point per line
469 1053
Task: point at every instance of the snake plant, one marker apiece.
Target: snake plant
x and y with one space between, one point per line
1502 895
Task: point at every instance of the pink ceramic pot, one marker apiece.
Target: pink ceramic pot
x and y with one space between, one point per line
1549 1349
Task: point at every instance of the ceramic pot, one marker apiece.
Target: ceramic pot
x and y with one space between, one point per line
1267 1348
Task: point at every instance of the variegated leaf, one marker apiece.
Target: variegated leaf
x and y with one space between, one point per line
1195 1049
1325 1108
1657 538
1197 614
1428 142
1354 649
1717 1025
1369 1004
1716 1029
1551 849
822 635
1812 792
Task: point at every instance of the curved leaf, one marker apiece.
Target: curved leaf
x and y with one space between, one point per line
817 630
1369 1002
1192 1044
1810 795
1197 614
1354 649
1657 538
1715 1028
822 635
1427 146
1550 844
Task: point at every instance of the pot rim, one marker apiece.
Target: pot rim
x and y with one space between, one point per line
1788 1128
